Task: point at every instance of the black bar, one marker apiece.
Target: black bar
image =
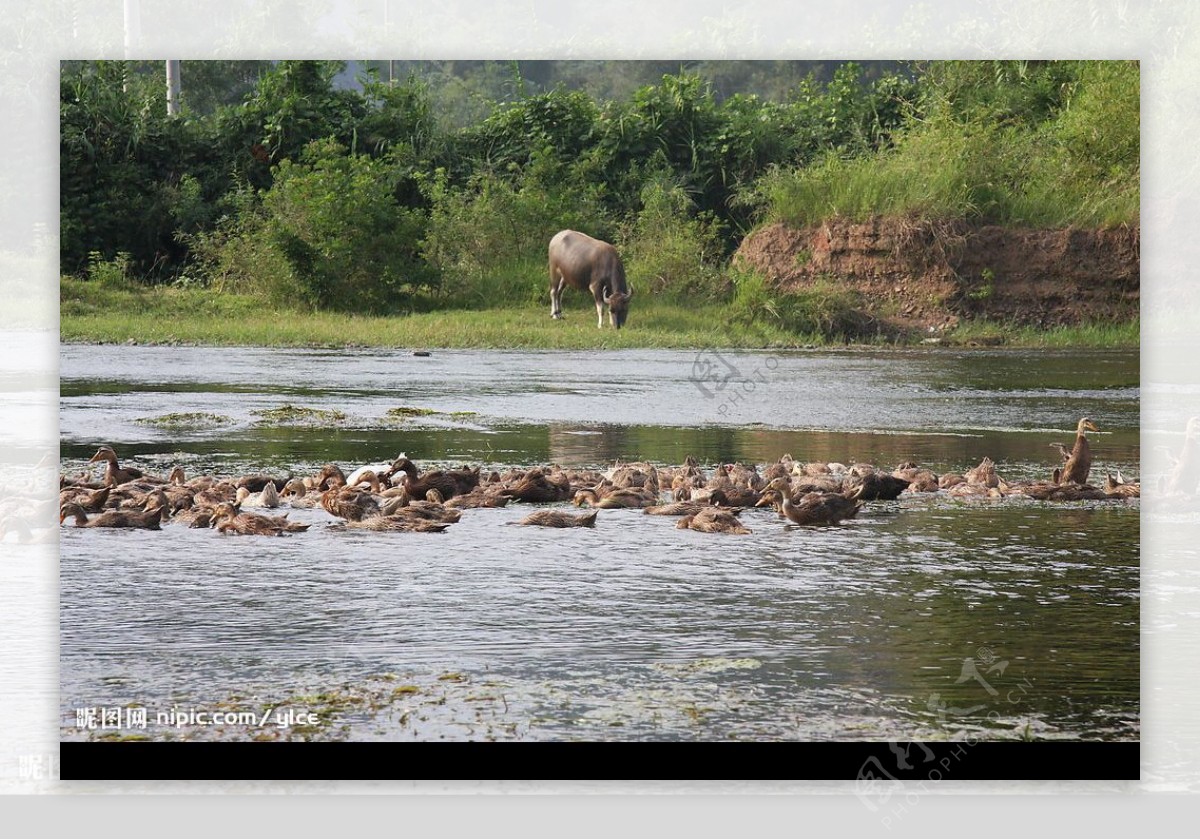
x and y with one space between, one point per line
869 762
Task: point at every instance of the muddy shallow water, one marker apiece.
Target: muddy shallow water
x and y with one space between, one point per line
924 617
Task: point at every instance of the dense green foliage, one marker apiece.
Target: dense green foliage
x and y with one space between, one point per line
1038 143
441 188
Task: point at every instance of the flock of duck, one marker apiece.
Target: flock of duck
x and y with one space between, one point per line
397 496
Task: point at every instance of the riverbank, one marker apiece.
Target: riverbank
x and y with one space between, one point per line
916 275
91 312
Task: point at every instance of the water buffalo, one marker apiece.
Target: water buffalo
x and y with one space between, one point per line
582 262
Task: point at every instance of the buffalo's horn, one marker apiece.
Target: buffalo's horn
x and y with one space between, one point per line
606 295
629 294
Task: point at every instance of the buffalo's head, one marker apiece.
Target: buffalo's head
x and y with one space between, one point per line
618 306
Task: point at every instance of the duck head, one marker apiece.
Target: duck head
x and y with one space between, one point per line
104 453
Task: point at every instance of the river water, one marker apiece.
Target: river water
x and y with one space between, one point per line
927 617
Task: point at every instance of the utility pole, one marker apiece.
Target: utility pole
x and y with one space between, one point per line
387 25
174 87
132 21
133 27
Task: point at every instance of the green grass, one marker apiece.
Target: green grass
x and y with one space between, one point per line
94 313
1101 335
923 179
193 316
947 180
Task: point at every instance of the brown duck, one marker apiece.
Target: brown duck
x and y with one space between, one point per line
920 480
431 508
480 497
1119 488
1079 462
1048 491
221 491
228 518
948 480
780 469
969 490
686 482
984 475
149 519
535 487
716 499
559 519
92 501
814 508
873 485
713 520
199 516
619 497
449 483
330 476
394 523
634 475
115 473
257 482
735 481
354 505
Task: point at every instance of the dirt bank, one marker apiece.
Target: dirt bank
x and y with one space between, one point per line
921 275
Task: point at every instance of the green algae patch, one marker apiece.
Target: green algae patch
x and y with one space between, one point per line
709 665
194 420
298 415
403 412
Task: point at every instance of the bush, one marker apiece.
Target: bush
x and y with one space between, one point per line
671 251
237 255
334 219
328 234
822 309
110 274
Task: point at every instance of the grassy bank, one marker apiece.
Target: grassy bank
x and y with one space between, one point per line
92 312
1114 336
168 315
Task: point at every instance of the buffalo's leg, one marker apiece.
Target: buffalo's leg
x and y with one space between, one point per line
600 314
556 290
